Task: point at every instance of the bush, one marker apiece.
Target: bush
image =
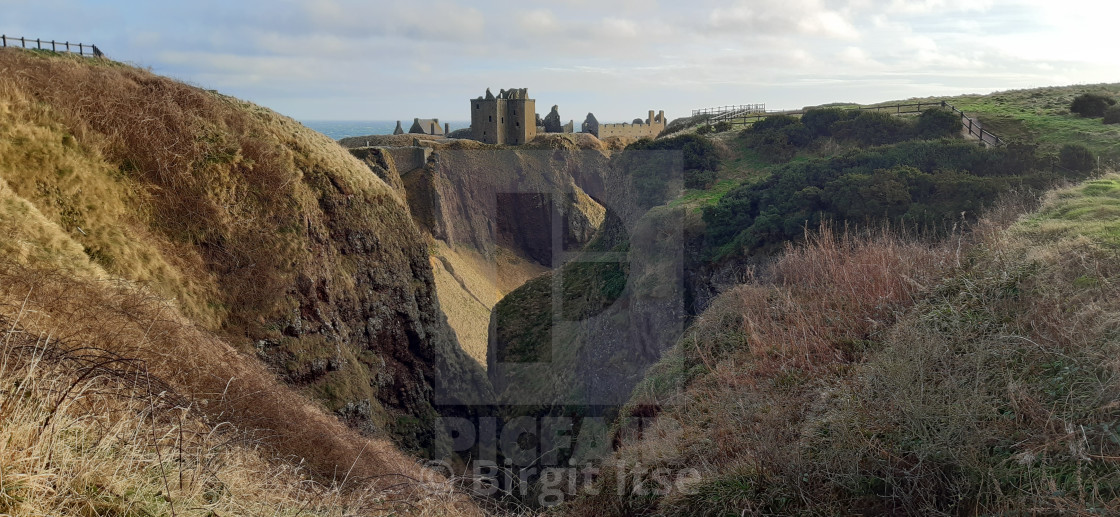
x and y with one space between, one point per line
699 152
918 185
937 123
777 138
723 125
819 120
872 128
1091 104
1076 157
703 130
699 179
1112 115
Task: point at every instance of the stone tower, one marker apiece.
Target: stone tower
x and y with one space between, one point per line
509 118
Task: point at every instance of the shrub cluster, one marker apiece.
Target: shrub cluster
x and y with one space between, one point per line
778 138
700 161
1112 115
918 184
1091 104
1076 157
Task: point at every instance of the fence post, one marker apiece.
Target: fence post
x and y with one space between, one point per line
80 50
53 49
38 44
4 39
68 46
22 42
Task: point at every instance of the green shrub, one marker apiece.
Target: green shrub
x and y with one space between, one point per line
1112 115
771 122
723 125
918 184
1091 104
699 179
777 138
1076 157
937 123
819 120
703 130
872 128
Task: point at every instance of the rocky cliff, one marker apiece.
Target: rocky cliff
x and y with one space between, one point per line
497 216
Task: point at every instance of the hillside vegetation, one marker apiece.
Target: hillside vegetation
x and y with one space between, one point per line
163 233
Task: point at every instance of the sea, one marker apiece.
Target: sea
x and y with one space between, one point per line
339 129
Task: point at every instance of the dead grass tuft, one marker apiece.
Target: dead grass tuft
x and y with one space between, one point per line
112 403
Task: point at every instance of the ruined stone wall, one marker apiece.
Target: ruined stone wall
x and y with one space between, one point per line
652 127
408 158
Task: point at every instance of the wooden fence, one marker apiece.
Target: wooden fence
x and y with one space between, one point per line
723 110
82 49
738 115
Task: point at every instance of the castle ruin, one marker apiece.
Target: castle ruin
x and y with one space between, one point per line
509 118
652 127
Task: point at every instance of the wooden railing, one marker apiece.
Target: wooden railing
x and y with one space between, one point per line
82 49
723 110
973 127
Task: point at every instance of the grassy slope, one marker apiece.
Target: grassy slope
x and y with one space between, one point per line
122 190
753 413
989 389
1041 115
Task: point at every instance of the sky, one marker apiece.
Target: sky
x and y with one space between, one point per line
381 60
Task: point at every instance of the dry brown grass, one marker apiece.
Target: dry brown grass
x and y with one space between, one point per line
97 348
170 185
881 376
745 378
162 224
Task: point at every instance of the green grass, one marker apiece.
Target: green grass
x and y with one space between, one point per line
697 199
1091 209
1041 116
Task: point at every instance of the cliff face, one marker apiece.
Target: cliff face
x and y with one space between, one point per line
263 232
497 217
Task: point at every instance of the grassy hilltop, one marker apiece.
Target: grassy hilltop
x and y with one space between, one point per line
197 295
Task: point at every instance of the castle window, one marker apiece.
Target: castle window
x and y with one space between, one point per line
518 124
490 118
503 120
476 106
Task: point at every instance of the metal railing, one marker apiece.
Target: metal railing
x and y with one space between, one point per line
82 49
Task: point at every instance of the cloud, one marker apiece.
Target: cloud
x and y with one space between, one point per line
351 58
781 17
